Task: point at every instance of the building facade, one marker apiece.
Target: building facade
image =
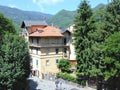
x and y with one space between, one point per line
47 45
72 58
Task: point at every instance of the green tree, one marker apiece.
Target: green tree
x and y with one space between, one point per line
112 17
84 27
6 25
111 51
14 63
64 65
14 57
109 26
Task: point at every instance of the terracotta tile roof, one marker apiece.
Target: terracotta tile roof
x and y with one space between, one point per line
49 31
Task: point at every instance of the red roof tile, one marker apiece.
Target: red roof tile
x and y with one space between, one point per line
49 31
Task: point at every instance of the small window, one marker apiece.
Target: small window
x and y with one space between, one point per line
36 51
65 41
32 40
56 50
37 63
47 62
57 61
65 51
37 41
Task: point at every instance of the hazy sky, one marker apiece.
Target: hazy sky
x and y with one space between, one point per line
48 6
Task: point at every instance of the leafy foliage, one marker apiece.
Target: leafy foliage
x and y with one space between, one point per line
6 25
14 62
112 17
111 46
111 51
64 65
66 76
14 57
109 43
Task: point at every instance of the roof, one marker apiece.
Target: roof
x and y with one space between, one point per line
63 31
49 31
30 23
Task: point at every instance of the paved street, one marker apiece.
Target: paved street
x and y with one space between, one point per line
36 84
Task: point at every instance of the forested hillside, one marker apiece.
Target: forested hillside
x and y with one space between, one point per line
62 19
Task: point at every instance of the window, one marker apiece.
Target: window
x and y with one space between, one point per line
37 63
65 51
65 41
37 51
37 41
32 40
47 62
56 50
57 61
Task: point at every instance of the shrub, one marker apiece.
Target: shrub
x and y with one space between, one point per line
64 65
66 76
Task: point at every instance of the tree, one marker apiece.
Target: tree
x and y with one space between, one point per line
112 17
6 25
111 50
14 63
110 26
84 27
64 65
14 57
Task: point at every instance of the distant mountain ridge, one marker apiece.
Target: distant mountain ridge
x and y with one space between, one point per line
18 15
62 19
65 18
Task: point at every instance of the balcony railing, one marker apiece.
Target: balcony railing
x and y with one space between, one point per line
47 44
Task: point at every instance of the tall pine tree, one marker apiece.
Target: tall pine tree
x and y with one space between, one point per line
84 25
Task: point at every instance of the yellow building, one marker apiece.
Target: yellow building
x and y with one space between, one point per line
47 45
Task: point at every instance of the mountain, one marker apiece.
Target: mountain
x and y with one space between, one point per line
18 15
62 19
101 5
65 18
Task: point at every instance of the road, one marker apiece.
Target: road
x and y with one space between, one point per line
37 84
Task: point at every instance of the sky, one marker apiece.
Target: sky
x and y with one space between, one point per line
48 6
